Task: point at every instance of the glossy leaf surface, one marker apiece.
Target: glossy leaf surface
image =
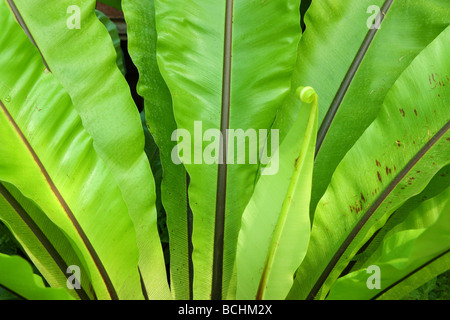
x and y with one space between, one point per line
393 161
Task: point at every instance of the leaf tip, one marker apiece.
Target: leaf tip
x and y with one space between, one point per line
306 94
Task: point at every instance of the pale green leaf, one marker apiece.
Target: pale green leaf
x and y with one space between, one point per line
275 226
140 18
17 277
403 254
393 161
352 67
198 57
84 61
50 158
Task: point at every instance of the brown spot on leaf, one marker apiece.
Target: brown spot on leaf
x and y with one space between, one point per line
296 161
362 197
415 112
378 163
379 176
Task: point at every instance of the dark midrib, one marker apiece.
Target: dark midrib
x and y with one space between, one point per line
143 288
339 97
219 228
51 250
189 222
25 28
95 258
337 256
409 275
